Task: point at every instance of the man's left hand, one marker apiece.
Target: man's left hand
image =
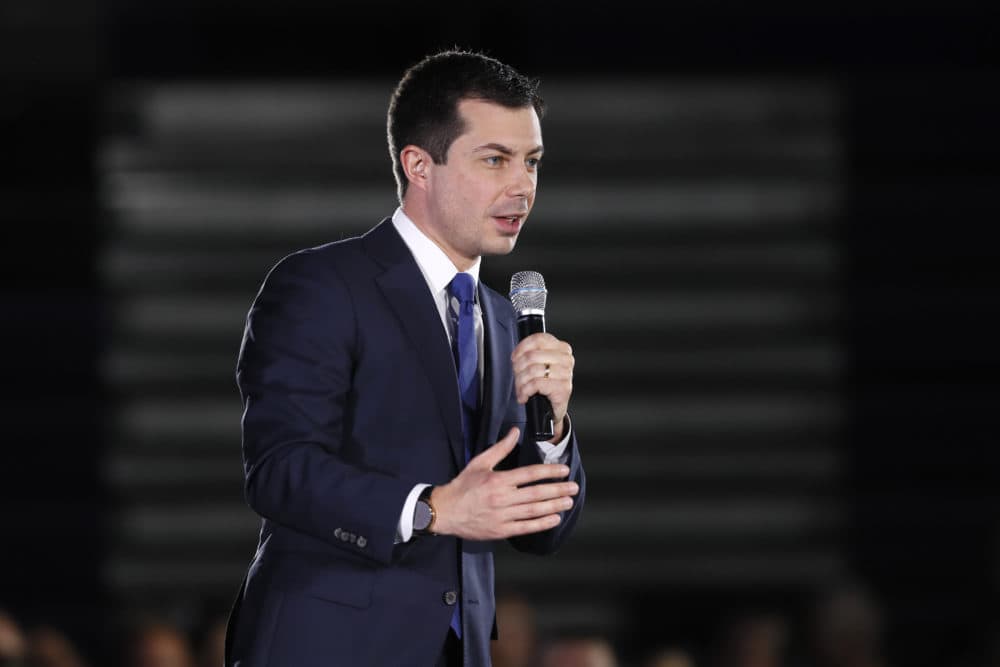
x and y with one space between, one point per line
543 364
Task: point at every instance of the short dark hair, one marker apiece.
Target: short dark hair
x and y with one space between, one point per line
423 110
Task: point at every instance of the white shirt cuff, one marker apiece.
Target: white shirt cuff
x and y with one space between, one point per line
554 453
404 531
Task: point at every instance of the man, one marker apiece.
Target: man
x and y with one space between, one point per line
384 392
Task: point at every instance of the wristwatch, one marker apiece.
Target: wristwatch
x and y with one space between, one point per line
423 513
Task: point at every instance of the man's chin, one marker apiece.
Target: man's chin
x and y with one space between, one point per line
501 246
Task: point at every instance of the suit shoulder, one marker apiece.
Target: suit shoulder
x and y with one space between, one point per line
327 254
323 273
345 257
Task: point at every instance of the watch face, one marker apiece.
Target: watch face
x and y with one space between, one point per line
421 516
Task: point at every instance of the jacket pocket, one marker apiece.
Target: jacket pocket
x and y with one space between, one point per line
350 587
325 577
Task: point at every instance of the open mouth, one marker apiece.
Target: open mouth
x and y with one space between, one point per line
509 222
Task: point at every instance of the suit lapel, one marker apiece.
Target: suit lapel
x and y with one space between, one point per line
406 291
499 372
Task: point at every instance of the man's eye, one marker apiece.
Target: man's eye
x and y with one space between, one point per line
534 162
494 160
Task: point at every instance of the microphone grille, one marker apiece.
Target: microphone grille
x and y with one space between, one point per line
527 291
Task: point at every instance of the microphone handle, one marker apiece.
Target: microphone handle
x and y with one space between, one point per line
540 424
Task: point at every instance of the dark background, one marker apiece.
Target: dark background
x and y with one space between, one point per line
919 286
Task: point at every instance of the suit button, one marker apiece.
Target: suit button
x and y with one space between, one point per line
344 536
336 532
362 542
450 598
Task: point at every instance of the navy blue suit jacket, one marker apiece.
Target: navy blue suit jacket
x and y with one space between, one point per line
350 399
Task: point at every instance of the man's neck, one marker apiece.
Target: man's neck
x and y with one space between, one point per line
415 214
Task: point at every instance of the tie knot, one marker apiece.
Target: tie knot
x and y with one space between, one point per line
462 287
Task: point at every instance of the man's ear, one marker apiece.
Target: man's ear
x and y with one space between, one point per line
416 164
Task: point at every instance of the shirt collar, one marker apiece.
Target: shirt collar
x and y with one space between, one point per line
438 270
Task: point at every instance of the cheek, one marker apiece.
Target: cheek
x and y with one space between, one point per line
473 197
482 186
454 203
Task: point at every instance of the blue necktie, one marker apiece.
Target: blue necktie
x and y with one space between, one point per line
466 350
461 308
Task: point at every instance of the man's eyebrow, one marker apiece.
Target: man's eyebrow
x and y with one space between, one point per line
500 148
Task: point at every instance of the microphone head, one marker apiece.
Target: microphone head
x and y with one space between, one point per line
527 292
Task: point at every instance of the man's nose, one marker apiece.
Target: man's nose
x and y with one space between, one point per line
522 184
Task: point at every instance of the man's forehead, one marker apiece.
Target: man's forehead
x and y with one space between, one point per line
490 123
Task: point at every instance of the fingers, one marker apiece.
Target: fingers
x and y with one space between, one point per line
537 369
541 509
543 364
515 528
533 473
548 380
540 492
498 451
550 351
534 501
541 341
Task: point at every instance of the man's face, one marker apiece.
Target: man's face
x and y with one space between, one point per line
479 199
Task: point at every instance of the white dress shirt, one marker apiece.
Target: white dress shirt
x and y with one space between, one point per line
439 271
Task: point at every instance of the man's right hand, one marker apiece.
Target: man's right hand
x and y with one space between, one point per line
484 504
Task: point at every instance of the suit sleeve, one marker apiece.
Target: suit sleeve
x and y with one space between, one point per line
527 453
294 376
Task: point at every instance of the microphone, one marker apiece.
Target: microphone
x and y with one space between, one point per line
527 294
